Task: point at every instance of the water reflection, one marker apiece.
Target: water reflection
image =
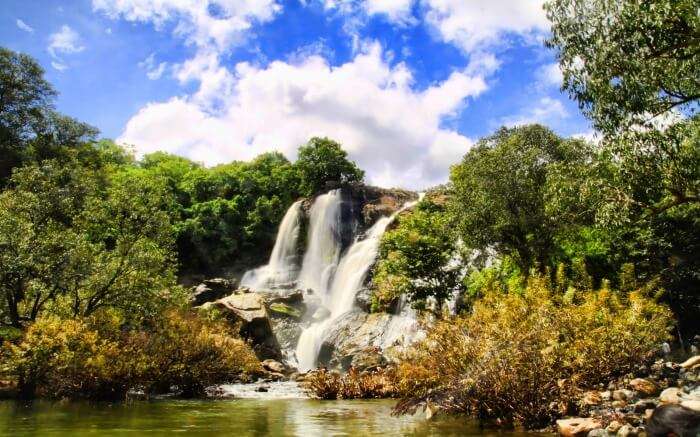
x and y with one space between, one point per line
243 417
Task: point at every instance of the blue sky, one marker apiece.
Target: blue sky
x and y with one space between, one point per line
406 85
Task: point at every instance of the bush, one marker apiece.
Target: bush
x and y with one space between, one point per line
374 384
99 358
521 357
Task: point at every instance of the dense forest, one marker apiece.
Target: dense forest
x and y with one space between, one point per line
569 260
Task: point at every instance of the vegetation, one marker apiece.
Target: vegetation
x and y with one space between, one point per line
375 384
415 259
94 358
522 357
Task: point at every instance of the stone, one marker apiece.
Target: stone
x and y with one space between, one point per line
623 395
643 405
273 366
671 395
285 310
619 404
691 362
577 427
613 427
627 431
210 290
693 405
249 312
606 395
600 432
591 398
644 386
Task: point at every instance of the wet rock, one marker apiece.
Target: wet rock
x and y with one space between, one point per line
644 386
285 310
643 405
370 358
263 389
578 427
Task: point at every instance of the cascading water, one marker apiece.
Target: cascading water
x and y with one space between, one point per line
324 245
283 266
347 281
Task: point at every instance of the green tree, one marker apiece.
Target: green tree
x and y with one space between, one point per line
322 162
73 240
30 129
627 61
499 198
415 259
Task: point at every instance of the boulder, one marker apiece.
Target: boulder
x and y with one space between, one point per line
591 398
353 334
691 404
248 309
282 309
578 427
644 386
627 431
613 427
691 362
210 290
671 395
274 366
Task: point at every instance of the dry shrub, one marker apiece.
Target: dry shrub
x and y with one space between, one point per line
520 358
375 384
98 358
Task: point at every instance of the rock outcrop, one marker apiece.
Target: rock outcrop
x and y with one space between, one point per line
210 290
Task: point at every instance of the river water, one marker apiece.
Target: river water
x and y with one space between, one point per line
235 417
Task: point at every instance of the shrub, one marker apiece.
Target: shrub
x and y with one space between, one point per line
521 357
100 358
374 384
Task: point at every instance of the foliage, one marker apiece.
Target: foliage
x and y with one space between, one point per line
627 61
100 358
375 384
30 130
416 259
499 195
322 161
74 241
521 357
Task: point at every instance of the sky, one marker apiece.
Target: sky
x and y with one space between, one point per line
407 86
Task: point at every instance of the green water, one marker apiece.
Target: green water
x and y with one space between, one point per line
243 417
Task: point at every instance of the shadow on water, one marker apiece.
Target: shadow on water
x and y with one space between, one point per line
241 417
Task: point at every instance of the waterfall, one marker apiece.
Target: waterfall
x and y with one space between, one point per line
282 267
324 244
348 279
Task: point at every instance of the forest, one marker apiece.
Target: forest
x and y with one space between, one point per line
568 263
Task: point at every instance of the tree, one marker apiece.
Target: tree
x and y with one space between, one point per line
415 259
322 161
499 197
75 240
628 61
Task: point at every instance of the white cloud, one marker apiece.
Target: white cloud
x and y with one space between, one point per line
24 26
218 23
154 70
390 128
479 24
547 111
65 41
58 65
398 11
549 75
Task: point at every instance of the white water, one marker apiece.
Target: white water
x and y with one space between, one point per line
323 250
347 281
282 268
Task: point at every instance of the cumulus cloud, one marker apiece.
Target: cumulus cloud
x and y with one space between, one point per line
64 42
154 69
220 23
24 26
546 111
398 11
475 25
392 129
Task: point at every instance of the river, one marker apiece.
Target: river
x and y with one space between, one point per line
234 417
